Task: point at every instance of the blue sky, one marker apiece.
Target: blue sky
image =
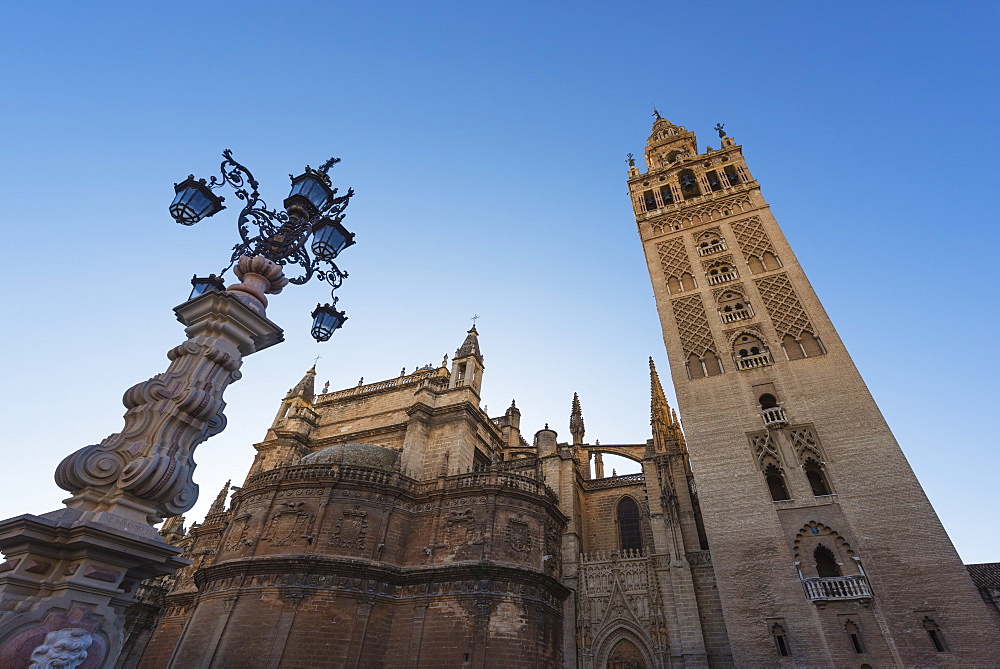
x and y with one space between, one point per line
487 147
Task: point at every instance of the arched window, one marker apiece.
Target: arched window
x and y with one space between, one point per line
767 401
749 352
733 307
934 632
721 271
710 242
689 184
776 483
826 562
855 634
780 640
817 479
629 528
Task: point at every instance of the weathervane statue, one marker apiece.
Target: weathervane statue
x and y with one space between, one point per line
71 573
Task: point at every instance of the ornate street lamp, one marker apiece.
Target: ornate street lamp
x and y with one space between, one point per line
282 238
72 572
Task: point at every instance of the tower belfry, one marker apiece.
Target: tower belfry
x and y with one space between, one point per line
826 550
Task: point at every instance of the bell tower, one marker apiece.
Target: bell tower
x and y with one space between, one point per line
826 550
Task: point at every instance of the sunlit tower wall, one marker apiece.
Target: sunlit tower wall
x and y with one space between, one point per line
826 550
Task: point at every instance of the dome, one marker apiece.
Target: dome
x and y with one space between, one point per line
361 455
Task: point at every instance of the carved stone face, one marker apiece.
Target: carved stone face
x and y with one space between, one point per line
63 649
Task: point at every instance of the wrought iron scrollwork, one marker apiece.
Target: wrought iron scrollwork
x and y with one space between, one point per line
281 236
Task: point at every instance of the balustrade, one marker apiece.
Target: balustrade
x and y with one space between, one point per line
735 315
709 250
754 361
774 417
722 277
837 587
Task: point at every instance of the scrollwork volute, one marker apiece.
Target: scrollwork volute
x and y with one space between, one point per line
148 467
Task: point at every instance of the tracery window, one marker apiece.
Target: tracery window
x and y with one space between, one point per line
629 527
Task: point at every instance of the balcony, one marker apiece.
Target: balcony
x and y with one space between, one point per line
774 417
754 361
823 589
735 315
722 277
709 250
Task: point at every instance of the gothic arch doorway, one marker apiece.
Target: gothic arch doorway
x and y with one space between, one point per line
623 648
625 655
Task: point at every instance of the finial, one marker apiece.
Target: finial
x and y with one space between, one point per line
475 317
444 362
326 387
325 167
631 160
315 360
513 404
402 372
219 505
656 113
546 426
719 127
361 381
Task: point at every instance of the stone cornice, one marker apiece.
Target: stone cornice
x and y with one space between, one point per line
321 572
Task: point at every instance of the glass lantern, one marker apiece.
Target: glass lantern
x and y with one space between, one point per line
310 191
330 238
326 320
193 201
206 284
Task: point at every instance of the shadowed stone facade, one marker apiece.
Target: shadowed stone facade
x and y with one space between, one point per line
397 524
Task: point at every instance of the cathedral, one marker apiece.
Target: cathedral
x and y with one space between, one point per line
397 524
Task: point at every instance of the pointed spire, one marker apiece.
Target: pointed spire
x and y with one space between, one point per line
666 430
576 421
470 346
306 388
219 505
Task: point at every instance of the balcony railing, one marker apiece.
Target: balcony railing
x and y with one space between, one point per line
709 250
837 587
754 361
774 417
735 315
722 278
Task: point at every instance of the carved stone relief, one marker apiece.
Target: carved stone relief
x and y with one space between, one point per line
517 536
290 524
350 531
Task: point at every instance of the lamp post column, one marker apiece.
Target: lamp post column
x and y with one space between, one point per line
70 574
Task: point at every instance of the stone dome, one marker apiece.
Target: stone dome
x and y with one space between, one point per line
360 455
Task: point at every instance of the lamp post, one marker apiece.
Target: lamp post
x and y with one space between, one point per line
71 573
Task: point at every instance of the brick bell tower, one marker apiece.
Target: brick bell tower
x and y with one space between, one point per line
826 550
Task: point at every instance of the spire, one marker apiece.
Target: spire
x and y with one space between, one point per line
219 505
576 421
666 430
470 346
306 388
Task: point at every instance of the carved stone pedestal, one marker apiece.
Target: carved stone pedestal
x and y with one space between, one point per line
71 573
67 573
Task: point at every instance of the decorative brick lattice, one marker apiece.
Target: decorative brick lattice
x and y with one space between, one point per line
804 441
783 306
673 258
763 446
752 239
692 325
706 213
